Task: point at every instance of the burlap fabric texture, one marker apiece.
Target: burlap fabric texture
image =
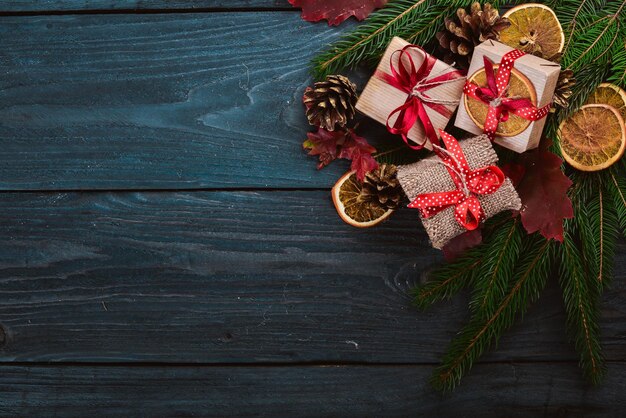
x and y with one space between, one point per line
427 176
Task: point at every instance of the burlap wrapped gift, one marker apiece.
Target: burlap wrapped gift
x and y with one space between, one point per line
426 176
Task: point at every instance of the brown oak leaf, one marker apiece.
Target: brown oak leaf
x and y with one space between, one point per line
543 191
336 11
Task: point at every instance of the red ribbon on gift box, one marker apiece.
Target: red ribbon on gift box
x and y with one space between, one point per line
494 95
469 184
415 82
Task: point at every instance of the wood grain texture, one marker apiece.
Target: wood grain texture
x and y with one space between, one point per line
494 390
245 277
82 5
158 101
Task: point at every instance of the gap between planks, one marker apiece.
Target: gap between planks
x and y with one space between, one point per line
311 364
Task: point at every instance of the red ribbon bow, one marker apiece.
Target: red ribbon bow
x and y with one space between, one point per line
469 183
415 83
494 95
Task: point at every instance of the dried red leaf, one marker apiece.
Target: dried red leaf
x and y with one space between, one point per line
457 246
543 191
357 149
341 144
336 11
515 172
325 144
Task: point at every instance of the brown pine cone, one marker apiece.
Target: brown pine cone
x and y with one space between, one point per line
330 103
470 29
563 90
382 188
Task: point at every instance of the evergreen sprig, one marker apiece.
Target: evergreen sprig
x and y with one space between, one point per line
494 273
616 189
581 297
484 330
415 21
618 64
603 222
450 278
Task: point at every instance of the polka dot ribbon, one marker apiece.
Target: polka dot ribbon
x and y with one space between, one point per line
468 211
415 82
495 95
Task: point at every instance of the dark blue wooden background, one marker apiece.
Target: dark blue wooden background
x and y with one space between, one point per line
168 249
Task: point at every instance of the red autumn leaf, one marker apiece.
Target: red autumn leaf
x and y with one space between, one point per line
341 144
336 11
357 149
457 246
515 172
543 191
325 144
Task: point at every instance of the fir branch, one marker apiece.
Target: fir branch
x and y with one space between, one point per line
616 188
446 281
498 267
604 223
428 31
618 64
570 23
594 41
414 21
481 332
596 223
450 278
581 304
371 37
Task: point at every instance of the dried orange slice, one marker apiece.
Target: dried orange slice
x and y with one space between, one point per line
534 29
609 94
350 205
519 87
593 138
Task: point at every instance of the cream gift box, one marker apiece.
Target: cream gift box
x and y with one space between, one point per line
440 90
534 77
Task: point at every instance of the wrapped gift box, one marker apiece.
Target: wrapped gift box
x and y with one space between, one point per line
429 176
539 78
380 98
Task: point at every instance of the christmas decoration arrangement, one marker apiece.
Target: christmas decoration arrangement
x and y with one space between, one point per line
506 136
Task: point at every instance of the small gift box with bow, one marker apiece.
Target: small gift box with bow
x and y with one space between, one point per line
507 95
457 188
413 93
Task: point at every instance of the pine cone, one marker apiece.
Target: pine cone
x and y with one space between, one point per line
382 188
330 103
563 90
461 36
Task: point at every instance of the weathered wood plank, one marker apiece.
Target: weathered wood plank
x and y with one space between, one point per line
493 390
235 277
79 5
158 101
